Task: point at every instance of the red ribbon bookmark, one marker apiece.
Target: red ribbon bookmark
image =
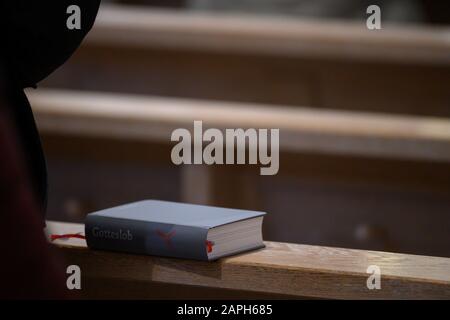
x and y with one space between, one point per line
209 245
66 236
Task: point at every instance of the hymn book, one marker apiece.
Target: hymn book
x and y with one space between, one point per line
174 229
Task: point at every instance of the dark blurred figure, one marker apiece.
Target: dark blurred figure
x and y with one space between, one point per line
35 41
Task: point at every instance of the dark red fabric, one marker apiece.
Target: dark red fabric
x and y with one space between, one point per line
28 267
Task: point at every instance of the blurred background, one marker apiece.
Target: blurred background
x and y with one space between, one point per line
364 158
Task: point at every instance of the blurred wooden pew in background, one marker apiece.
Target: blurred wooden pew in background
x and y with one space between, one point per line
280 61
303 129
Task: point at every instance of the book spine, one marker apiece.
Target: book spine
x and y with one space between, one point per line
143 237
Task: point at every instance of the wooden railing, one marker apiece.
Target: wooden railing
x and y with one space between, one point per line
279 270
301 129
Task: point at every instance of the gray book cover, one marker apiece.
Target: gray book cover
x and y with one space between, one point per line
159 228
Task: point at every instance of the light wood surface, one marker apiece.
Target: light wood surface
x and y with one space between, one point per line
132 26
280 268
301 129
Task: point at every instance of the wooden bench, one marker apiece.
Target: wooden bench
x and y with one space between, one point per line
279 270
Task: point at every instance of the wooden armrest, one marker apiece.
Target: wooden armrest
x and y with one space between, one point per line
280 268
301 129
